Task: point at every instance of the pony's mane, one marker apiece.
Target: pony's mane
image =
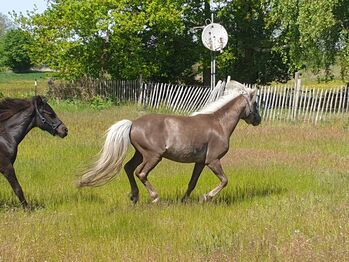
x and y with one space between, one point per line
11 106
232 90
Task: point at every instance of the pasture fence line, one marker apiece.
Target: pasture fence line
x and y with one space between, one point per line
302 104
276 103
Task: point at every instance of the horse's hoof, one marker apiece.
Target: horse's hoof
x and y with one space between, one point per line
156 200
206 198
134 199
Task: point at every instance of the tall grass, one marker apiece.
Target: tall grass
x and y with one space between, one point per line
287 198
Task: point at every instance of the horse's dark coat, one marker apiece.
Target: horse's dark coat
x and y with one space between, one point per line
17 118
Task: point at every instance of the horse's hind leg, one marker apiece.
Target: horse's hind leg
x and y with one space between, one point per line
217 169
142 172
10 175
194 179
130 168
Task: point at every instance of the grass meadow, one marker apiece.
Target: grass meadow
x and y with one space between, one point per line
287 198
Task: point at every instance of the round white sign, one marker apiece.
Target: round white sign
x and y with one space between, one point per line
214 37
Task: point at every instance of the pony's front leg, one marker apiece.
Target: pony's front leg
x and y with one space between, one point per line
194 179
10 175
142 174
217 169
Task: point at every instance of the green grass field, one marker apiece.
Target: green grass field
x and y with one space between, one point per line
287 198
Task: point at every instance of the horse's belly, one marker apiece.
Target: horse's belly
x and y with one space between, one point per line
185 155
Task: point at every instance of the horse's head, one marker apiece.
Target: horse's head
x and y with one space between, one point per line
251 114
46 118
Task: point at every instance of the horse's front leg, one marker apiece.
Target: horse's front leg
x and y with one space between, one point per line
217 169
194 179
10 175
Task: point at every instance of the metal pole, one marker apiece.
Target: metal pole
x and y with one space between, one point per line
213 65
213 70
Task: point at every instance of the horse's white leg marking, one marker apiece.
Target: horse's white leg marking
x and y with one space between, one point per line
217 169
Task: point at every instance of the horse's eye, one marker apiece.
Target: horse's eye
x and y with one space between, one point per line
50 114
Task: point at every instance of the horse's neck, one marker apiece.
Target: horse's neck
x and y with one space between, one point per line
230 114
19 125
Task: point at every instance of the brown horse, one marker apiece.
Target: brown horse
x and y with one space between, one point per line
202 138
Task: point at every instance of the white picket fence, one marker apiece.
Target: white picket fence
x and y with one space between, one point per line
276 103
284 103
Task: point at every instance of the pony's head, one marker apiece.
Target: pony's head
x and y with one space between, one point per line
46 118
251 114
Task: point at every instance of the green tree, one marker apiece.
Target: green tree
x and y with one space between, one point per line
112 38
15 50
311 34
5 25
249 56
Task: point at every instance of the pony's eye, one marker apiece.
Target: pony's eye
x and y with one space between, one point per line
50 114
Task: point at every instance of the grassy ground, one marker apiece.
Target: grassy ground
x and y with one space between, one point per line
287 199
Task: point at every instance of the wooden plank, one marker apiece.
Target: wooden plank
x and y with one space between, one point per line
309 98
289 103
323 104
346 98
318 106
340 100
313 107
272 108
283 102
266 101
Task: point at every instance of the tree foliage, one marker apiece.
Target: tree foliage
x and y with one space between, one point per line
112 37
311 34
15 50
268 39
5 25
250 57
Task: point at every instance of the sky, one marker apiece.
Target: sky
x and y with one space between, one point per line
21 6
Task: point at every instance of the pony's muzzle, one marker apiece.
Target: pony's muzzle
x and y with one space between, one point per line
62 131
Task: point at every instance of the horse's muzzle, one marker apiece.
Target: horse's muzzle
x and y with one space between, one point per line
256 120
62 131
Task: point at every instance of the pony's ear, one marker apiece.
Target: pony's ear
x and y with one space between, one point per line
38 100
253 95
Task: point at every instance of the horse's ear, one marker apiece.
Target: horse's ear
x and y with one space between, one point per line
38 100
253 95
44 99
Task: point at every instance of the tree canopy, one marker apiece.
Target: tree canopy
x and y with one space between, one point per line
15 50
268 39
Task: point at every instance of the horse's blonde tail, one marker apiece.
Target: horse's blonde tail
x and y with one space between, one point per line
111 157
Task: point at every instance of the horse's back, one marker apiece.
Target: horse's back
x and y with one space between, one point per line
178 138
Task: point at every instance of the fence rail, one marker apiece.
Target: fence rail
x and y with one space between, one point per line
276 103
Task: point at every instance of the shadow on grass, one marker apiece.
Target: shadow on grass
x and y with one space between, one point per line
12 204
237 195
248 194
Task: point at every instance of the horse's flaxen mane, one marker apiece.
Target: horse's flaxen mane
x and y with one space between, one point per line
233 90
10 107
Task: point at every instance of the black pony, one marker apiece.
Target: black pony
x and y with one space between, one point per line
17 118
